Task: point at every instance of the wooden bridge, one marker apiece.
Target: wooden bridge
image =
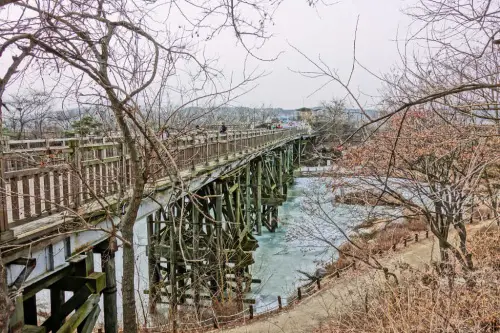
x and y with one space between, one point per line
61 200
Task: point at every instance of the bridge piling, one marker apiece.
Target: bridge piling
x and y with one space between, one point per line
259 198
109 293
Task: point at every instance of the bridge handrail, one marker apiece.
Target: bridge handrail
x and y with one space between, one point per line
42 177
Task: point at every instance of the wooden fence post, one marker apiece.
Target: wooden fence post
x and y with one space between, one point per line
241 143
426 233
280 305
218 147
404 242
206 149
77 169
299 293
235 144
247 142
5 234
318 282
122 177
416 238
251 311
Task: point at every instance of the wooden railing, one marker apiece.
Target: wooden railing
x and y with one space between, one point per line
42 177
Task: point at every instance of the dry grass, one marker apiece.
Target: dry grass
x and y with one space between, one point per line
427 302
371 244
416 225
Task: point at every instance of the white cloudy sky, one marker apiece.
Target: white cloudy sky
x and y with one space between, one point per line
327 31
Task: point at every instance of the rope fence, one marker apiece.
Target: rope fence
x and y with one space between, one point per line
298 295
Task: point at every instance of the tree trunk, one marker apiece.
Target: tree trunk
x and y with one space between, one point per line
467 257
127 223
128 290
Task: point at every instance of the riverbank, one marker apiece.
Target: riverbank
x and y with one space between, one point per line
330 302
426 300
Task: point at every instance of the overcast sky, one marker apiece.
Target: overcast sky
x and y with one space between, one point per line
327 31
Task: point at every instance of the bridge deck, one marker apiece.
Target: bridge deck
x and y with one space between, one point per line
72 173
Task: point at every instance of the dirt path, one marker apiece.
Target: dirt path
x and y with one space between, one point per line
310 313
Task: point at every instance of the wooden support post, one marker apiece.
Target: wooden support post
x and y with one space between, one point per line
258 207
318 283
280 305
248 201
299 151
16 321
173 265
237 206
250 308
30 313
195 278
279 171
426 233
416 238
299 293
181 283
152 265
56 302
404 241
218 231
109 293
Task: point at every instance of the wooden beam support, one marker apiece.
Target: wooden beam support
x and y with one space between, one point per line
75 302
88 324
96 282
234 187
32 289
86 266
80 315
